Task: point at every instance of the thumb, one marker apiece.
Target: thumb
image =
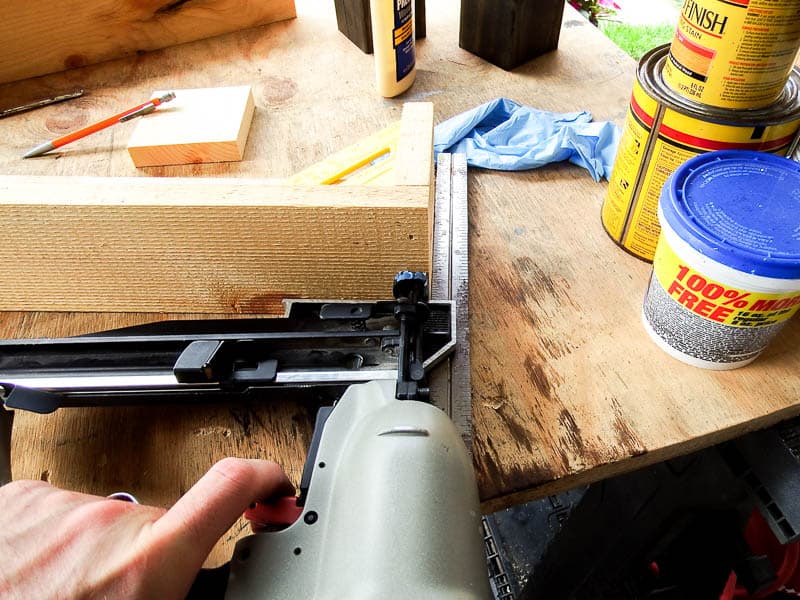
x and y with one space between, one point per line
204 513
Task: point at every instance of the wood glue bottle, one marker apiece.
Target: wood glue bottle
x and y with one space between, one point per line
393 45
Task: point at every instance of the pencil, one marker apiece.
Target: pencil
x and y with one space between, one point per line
127 115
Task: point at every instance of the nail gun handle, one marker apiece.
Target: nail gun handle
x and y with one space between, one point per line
311 458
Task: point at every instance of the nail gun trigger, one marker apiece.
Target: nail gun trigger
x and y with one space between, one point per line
274 515
323 414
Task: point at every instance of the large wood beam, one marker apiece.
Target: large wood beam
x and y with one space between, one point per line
144 244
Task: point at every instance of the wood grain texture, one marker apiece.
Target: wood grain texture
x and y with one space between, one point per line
413 164
137 244
352 19
199 126
509 33
41 37
414 155
567 387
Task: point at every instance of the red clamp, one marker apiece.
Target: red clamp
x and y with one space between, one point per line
275 515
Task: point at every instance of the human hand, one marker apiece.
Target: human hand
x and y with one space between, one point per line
57 543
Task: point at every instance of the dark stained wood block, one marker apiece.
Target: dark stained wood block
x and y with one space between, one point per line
419 19
508 33
352 17
353 20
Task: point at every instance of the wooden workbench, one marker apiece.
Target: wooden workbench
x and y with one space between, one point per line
567 387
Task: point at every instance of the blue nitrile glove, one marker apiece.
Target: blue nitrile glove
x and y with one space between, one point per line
504 135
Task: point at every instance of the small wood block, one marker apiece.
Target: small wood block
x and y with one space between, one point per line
199 126
353 20
508 33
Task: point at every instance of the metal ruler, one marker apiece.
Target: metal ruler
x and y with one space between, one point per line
451 388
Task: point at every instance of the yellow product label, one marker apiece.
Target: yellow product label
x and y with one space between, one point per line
733 53
677 139
646 164
642 234
716 302
624 176
698 136
402 33
632 158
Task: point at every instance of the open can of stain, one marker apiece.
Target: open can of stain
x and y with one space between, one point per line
726 272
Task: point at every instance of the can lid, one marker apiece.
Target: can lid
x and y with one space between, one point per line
740 208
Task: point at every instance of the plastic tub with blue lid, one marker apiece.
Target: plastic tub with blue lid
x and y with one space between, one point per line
726 272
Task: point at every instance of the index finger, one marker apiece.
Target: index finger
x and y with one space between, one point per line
205 512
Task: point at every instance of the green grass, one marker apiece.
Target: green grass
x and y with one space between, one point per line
637 40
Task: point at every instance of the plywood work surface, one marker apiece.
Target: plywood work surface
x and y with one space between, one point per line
567 386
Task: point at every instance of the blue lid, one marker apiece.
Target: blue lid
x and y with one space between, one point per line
740 208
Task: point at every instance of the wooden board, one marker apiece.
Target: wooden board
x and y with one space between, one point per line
198 126
191 245
41 37
567 386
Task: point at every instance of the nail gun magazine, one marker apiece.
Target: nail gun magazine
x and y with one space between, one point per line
387 504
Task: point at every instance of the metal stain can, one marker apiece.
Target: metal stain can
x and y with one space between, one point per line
726 274
733 53
663 130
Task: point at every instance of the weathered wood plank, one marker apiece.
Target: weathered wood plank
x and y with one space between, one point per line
39 37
